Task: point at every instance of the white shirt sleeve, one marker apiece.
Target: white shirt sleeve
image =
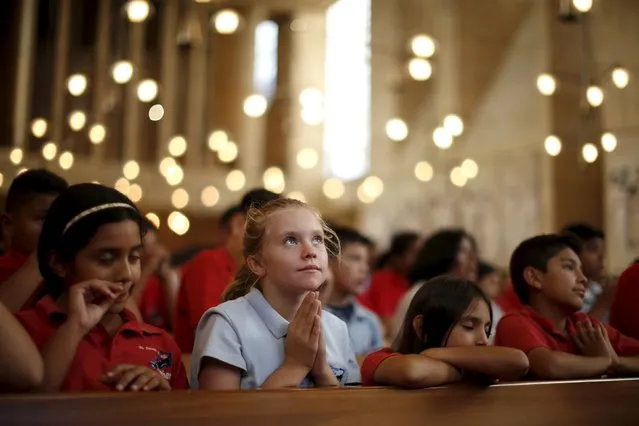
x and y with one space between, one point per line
352 376
216 338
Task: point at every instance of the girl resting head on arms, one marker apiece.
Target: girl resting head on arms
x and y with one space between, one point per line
271 332
89 257
443 338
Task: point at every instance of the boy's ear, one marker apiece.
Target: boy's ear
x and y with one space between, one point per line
237 224
5 222
417 325
532 277
57 266
255 265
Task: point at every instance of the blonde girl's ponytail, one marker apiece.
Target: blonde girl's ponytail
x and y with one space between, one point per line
244 280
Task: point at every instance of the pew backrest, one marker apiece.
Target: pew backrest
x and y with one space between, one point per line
577 403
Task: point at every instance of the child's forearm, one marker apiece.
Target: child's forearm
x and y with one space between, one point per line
20 286
22 367
498 362
287 376
626 366
58 355
547 364
326 378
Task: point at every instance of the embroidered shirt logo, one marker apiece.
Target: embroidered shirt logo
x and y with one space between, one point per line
162 364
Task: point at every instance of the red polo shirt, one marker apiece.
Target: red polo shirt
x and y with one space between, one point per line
508 301
370 364
386 290
10 262
204 280
153 306
98 353
527 330
623 312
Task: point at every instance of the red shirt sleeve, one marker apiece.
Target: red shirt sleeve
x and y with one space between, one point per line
370 364
624 346
204 283
515 330
508 301
380 298
623 315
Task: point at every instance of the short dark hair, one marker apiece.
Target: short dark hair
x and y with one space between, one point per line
484 269
30 183
401 242
348 236
441 301
438 254
584 231
257 198
227 215
535 252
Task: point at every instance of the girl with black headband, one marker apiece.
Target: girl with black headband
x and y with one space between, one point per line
89 257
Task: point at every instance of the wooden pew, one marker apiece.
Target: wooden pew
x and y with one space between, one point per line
583 403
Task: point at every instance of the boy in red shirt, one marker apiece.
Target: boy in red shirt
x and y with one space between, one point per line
206 276
623 313
560 341
28 200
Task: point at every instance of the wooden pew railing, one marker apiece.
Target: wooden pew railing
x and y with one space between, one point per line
583 403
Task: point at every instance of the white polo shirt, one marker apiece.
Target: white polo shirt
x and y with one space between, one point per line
249 334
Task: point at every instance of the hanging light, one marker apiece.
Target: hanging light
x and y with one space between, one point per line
235 180
180 198
137 10
49 151
457 177
396 129
156 112
177 146
442 138
307 158
552 145
174 175
546 84
228 153
165 164
620 77
122 185
274 179
226 21
594 96
217 140
590 153
420 69
608 142
16 155
424 171
454 125
582 6
147 90
122 72
97 133
39 127
373 187
423 46
66 160
131 170
470 168
154 219
135 193
333 188
77 84
255 105
77 120
178 223
210 196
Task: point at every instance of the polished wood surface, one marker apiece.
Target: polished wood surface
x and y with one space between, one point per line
605 402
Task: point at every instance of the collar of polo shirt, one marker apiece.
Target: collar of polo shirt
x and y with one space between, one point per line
276 324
